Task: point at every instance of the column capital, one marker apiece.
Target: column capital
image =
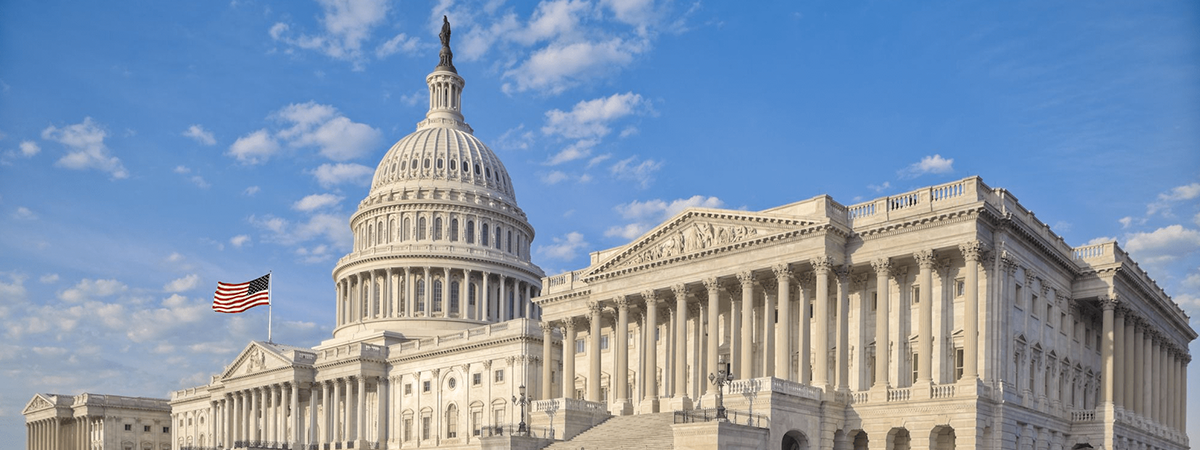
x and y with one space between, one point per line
1108 303
843 273
734 290
594 307
746 278
1008 264
972 250
821 264
622 302
650 298
925 258
547 327
769 285
711 283
782 271
882 266
680 291
567 323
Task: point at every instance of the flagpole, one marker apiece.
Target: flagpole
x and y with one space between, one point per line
270 281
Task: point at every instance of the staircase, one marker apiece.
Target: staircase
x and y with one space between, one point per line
636 432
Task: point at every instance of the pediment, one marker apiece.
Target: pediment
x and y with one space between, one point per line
39 402
255 358
696 231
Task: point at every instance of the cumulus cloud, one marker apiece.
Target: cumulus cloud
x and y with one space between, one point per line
184 284
563 248
576 150
254 148
239 240
199 134
402 43
316 201
648 214
347 25
1175 195
308 125
250 191
640 172
1163 245
333 228
29 148
13 290
554 177
329 175
927 165
49 278
23 213
86 148
591 118
515 139
561 66
91 289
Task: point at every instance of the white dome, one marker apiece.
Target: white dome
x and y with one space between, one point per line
442 155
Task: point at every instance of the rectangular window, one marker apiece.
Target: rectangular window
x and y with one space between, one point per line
604 342
498 417
499 376
1019 300
580 346
1062 322
958 363
408 428
1033 305
408 389
146 429
916 295
425 421
916 360
960 287
477 379
166 429
476 418
128 427
425 386
1049 311
875 301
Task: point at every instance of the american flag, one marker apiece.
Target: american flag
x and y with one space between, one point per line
235 298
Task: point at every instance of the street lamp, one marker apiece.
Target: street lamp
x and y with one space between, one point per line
521 401
720 379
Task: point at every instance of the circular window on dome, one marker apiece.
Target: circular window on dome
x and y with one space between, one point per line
439 163
453 166
451 382
477 169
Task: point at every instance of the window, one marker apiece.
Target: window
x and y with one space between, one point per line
453 229
916 360
408 428
497 238
510 241
408 389
499 376
580 346
476 418
1018 300
454 297
166 429
916 295
437 229
451 383
453 165
1062 322
471 294
960 287
439 163
437 296
470 231
146 428
452 422
420 307
477 379
1033 305
421 229
483 235
498 416
425 421
604 342
1049 310
128 427
425 386
958 363
404 231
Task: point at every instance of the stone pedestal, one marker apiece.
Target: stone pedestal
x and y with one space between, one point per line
719 436
567 417
648 406
681 404
621 408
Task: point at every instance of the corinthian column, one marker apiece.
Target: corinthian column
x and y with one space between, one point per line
747 365
971 251
547 348
1106 350
821 267
593 393
714 307
568 376
783 338
883 269
681 402
622 406
650 353
925 260
843 328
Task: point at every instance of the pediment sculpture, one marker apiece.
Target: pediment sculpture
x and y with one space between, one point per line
692 237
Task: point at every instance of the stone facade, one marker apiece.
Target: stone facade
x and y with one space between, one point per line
97 422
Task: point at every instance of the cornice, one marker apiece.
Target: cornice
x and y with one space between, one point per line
1021 230
460 348
534 278
562 297
918 223
446 206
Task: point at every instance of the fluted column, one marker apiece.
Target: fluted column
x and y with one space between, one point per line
650 354
681 400
485 301
883 269
734 325
925 260
547 357
972 251
1118 350
294 418
714 309
1138 367
361 417
1147 369
620 374
821 267
324 433
593 382
336 424
568 346
783 338
803 332
766 348
843 328
747 355
1106 351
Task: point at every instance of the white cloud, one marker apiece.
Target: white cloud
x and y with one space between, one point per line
552 19
23 213
1176 194
515 139
927 165
199 181
316 201
184 284
648 214
29 148
347 25
321 126
554 177
329 175
560 66
49 278
1100 240
409 45
1062 226
92 289
1196 219
174 257
598 159
239 240
250 191
879 188
182 170
316 254
591 118
12 291
633 12
254 148
199 134
563 248
1163 245
1192 281
627 231
577 150
640 172
334 228
85 141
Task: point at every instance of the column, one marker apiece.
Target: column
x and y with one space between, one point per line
746 365
1138 367
1159 398
821 266
338 303
1148 372
843 328
336 431
311 437
620 374
698 377
650 354
382 394
766 348
972 252
714 309
734 326
547 347
925 260
883 269
1106 350
361 417
568 376
255 407
527 301
593 382
783 339
372 299
428 294
502 299
681 401
294 423
484 302
409 293
446 292
1118 355
323 433
803 333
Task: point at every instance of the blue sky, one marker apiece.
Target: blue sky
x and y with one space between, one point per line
150 149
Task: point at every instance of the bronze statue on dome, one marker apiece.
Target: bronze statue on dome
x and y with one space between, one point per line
446 57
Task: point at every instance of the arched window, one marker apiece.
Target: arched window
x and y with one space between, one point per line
454 297
470 294
437 229
420 306
380 233
483 235
391 229
421 229
470 231
451 422
510 241
453 230
497 238
512 303
437 296
370 235
404 231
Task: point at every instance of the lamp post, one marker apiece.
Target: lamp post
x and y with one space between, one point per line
720 379
521 401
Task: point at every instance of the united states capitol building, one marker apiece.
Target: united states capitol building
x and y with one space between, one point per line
946 317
